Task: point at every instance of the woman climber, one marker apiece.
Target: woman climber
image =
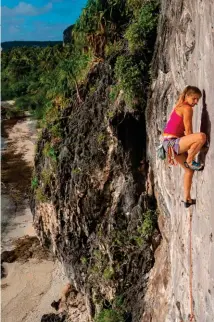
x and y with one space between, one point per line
180 143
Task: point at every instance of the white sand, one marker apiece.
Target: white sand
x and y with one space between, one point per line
23 138
30 287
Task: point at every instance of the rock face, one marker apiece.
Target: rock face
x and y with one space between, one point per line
184 56
97 199
67 35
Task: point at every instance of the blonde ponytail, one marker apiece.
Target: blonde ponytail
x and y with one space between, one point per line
187 91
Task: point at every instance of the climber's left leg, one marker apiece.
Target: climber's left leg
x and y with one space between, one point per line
188 174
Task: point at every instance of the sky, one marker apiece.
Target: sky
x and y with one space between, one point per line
38 19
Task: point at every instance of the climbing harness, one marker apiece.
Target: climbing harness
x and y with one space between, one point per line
161 153
171 153
192 316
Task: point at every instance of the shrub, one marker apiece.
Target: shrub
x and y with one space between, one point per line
34 182
19 88
109 315
84 260
101 138
148 224
148 17
51 115
113 93
40 196
56 131
46 176
108 273
110 114
113 48
134 37
128 75
76 170
23 102
142 29
49 151
134 6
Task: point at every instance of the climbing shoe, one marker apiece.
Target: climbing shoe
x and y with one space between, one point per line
188 203
196 166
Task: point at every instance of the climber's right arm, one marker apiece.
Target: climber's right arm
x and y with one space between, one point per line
187 116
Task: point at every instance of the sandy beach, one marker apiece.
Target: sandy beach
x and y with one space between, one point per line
32 279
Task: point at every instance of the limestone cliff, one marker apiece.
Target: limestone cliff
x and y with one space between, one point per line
184 55
67 35
98 212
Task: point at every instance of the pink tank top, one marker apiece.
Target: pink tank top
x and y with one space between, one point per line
175 125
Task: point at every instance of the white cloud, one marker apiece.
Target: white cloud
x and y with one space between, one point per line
25 9
13 29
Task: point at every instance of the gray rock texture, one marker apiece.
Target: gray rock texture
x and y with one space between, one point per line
97 199
184 56
67 35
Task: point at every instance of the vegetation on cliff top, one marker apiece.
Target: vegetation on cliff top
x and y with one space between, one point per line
12 44
47 79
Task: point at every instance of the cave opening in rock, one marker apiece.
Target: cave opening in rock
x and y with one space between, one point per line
131 132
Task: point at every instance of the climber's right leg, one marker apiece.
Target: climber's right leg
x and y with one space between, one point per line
192 143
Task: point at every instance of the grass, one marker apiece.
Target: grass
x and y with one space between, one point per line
39 195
